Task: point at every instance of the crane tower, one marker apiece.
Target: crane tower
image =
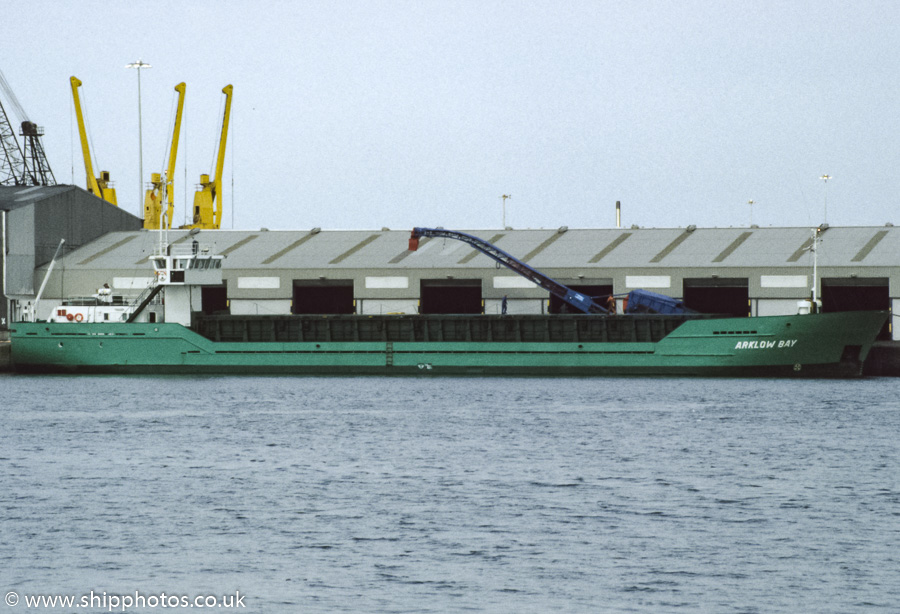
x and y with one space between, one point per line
36 164
31 168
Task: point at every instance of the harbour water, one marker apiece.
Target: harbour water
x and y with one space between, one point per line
454 495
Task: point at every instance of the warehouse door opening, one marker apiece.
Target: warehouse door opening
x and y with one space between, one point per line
323 296
599 293
214 299
857 294
719 295
451 296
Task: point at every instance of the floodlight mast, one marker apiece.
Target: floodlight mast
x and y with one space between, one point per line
138 66
825 178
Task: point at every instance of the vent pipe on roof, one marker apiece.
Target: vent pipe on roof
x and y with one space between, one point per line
618 214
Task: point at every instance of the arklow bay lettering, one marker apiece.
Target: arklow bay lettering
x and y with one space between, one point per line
765 345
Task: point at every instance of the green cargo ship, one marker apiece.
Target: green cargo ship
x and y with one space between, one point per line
151 335
813 345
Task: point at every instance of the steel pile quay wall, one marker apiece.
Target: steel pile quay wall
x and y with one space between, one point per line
262 266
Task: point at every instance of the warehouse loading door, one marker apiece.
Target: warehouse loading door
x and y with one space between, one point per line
597 292
857 294
214 299
719 295
451 296
323 296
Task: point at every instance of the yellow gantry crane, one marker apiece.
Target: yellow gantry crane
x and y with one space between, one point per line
208 199
98 186
163 182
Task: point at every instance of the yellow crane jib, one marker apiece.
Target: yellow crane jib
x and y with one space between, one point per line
98 186
208 199
159 182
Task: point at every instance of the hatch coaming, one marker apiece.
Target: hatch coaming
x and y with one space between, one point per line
440 328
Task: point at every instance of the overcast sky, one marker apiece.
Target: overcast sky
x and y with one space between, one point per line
366 114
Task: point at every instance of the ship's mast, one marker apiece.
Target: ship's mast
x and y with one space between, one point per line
814 248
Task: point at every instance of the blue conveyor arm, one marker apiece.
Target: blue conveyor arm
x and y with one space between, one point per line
568 295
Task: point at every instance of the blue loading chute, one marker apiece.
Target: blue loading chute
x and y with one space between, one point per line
639 301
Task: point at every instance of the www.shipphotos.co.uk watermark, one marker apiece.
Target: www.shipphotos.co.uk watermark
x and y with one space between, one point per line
121 602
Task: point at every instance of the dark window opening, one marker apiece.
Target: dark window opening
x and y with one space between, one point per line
599 293
725 296
323 296
451 296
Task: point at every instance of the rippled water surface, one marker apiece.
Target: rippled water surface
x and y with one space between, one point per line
451 495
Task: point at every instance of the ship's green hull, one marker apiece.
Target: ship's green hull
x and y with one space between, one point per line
820 345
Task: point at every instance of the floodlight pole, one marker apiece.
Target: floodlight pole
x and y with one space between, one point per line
825 178
139 65
504 197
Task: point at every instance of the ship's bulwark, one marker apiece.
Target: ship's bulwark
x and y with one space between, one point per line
821 345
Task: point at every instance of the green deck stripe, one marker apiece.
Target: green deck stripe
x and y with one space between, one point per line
734 245
868 247
355 249
290 247
106 250
475 252
537 250
668 249
609 248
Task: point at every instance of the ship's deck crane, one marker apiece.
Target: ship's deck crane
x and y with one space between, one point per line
163 182
98 186
208 199
637 301
16 169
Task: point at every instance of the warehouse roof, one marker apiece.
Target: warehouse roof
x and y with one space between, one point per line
13 197
582 248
